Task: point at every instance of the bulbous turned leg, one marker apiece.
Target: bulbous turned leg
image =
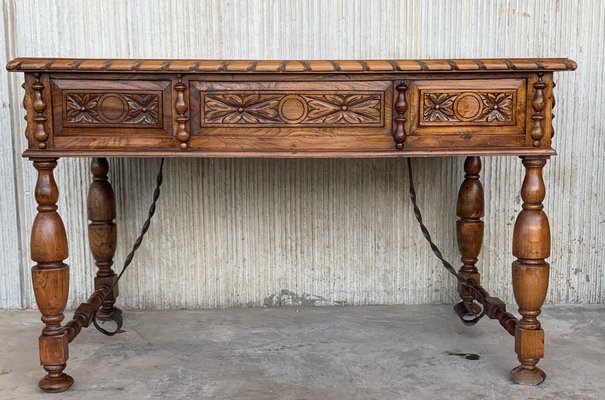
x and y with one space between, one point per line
50 278
531 246
102 232
469 227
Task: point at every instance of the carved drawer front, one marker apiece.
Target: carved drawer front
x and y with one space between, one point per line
339 108
468 107
111 108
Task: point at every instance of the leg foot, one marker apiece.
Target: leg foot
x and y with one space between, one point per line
526 375
56 380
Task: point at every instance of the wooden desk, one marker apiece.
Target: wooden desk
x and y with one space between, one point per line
218 108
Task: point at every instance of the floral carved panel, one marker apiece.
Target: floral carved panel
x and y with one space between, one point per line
291 108
467 108
113 109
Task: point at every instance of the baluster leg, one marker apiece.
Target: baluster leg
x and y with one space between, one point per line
531 246
469 227
50 277
102 232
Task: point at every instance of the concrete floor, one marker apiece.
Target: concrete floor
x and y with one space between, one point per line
379 352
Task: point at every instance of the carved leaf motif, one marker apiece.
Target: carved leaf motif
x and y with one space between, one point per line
346 109
439 107
217 110
264 108
82 108
496 107
261 110
233 109
142 109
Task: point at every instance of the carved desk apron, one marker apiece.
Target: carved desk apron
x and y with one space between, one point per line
219 108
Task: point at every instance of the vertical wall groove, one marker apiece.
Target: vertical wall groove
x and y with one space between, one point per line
11 284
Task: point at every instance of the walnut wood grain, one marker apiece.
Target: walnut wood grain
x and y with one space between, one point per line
469 227
180 108
442 107
102 232
50 277
111 108
277 66
83 151
322 108
401 107
531 246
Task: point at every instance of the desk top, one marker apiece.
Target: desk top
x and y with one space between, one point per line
265 108
294 66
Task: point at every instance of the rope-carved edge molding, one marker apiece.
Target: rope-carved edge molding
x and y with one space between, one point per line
292 66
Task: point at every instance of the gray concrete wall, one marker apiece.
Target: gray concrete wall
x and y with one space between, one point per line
231 233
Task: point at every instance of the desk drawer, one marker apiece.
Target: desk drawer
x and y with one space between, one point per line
111 108
312 110
467 106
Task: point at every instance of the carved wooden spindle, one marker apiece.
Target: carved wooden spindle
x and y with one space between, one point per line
401 106
102 231
181 109
38 104
50 278
469 227
538 104
531 246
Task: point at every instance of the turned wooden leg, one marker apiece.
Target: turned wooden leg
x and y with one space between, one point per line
531 246
102 232
50 277
469 227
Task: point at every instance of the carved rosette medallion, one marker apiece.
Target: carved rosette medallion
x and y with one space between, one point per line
467 106
112 108
284 109
496 108
293 109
